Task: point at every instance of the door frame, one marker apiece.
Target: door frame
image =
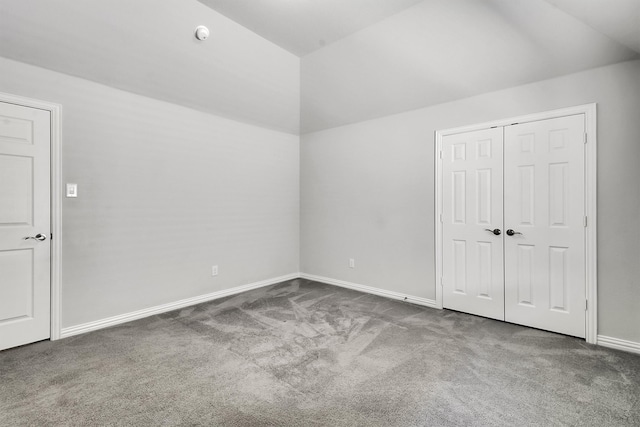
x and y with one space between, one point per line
591 249
56 201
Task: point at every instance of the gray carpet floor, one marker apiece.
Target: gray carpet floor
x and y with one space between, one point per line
302 353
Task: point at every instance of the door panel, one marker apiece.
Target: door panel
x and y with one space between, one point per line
17 289
15 191
544 200
472 202
24 212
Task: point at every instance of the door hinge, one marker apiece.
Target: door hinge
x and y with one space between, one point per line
441 284
585 138
585 221
440 154
586 305
440 217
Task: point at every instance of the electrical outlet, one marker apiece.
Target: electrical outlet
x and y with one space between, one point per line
352 263
214 270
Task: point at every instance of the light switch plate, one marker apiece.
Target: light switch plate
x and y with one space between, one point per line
72 190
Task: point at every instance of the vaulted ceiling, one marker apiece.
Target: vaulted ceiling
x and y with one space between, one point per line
302 26
618 19
333 61
438 51
148 47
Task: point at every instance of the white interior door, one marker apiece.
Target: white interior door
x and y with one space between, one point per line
473 275
544 200
24 214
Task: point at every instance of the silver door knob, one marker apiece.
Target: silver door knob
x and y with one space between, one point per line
39 237
510 232
495 231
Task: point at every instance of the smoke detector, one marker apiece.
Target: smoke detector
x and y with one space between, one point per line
202 32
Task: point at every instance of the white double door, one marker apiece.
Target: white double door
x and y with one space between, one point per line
24 225
513 218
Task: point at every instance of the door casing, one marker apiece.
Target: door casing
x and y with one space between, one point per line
56 201
589 111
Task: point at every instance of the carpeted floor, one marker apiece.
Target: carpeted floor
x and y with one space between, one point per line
303 353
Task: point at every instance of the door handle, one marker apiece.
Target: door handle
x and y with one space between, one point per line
495 231
510 232
39 237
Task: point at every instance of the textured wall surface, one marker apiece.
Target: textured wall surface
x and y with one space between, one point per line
165 192
368 189
229 194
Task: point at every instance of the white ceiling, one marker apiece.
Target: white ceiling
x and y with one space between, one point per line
147 47
618 19
442 50
379 57
302 26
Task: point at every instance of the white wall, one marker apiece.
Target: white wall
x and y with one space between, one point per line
165 192
368 189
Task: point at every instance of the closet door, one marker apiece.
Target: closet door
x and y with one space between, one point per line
473 276
544 210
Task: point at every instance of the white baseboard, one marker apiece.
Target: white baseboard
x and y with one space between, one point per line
135 315
371 290
618 344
